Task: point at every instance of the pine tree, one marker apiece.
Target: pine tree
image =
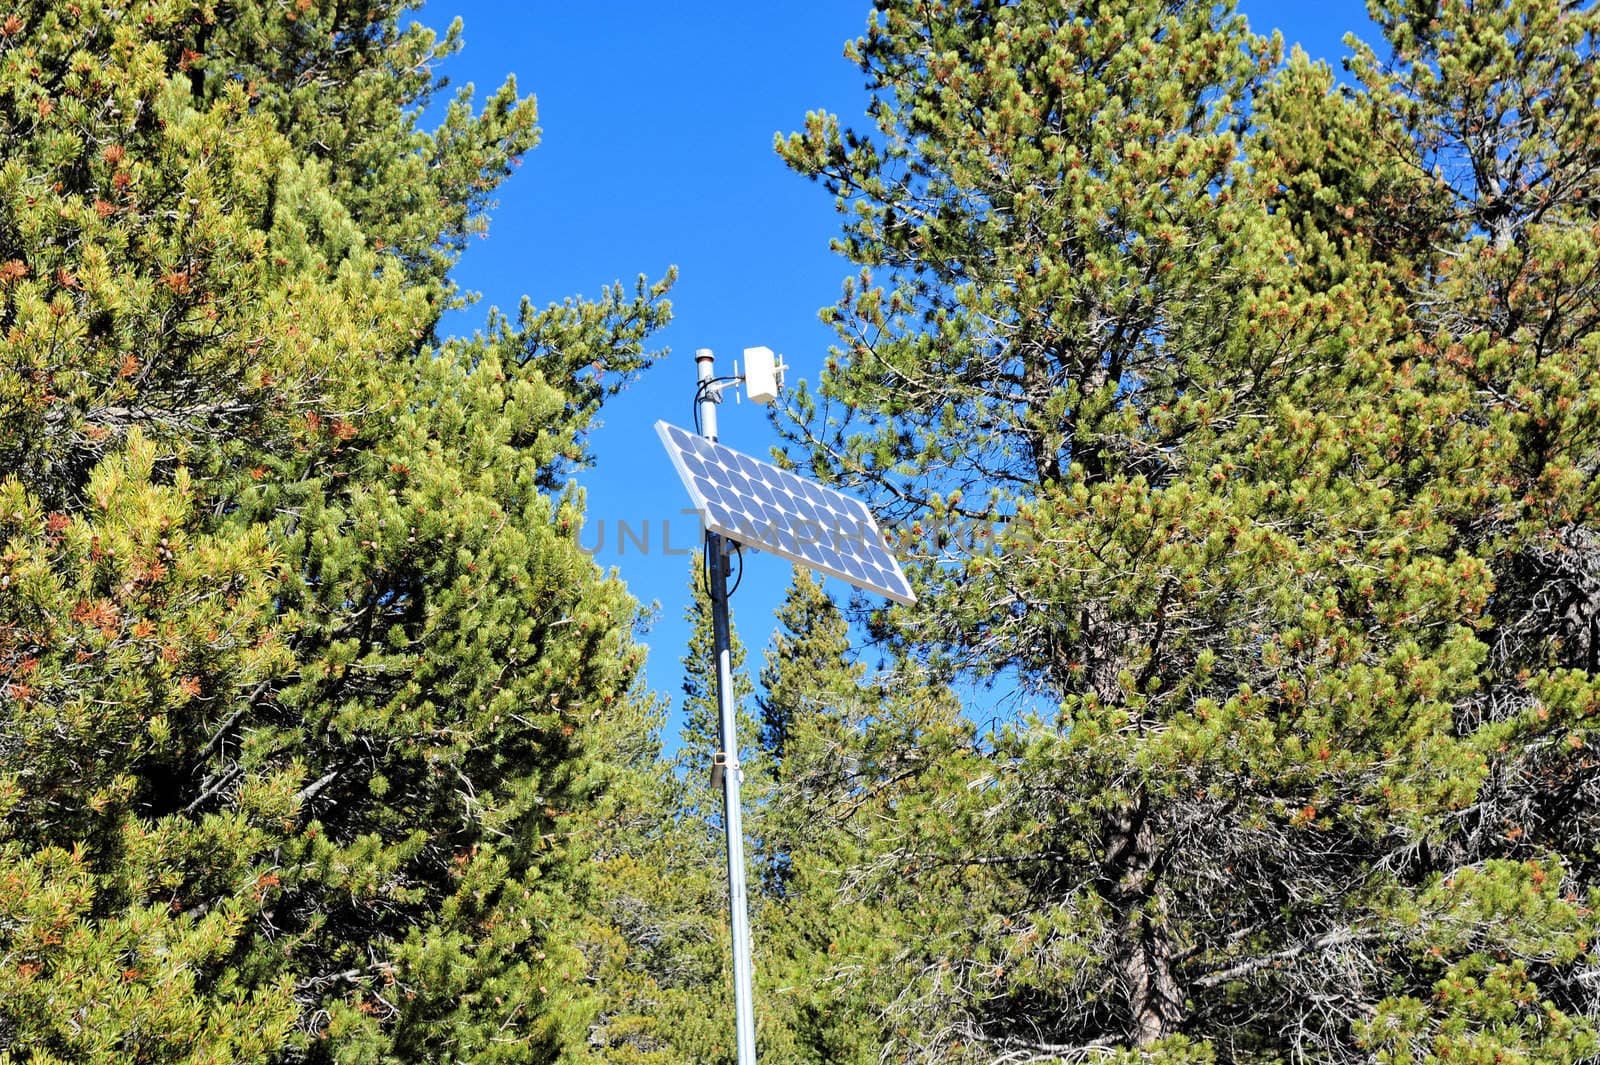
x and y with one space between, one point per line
663 921
806 677
1498 105
702 728
303 668
855 953
1170 455
808 655
656 928
347 83
857 763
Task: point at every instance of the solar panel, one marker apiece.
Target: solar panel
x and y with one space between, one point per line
757 504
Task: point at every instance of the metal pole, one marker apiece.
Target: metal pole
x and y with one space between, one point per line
732 774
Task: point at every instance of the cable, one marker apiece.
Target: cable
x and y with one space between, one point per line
700 390
737 580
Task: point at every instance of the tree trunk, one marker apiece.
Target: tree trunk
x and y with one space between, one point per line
1144 952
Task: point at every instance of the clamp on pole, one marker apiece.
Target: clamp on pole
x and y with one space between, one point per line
721 762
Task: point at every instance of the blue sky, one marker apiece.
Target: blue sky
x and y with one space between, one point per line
658 123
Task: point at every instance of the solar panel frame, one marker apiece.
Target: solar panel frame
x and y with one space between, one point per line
759 505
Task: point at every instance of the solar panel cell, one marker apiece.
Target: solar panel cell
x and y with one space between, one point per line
759 505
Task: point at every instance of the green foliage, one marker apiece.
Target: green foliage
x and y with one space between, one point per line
808 656
702 725
852 950
1248 423
1245 423
656 932
123 623
306 687
807 676
659 939
346 83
